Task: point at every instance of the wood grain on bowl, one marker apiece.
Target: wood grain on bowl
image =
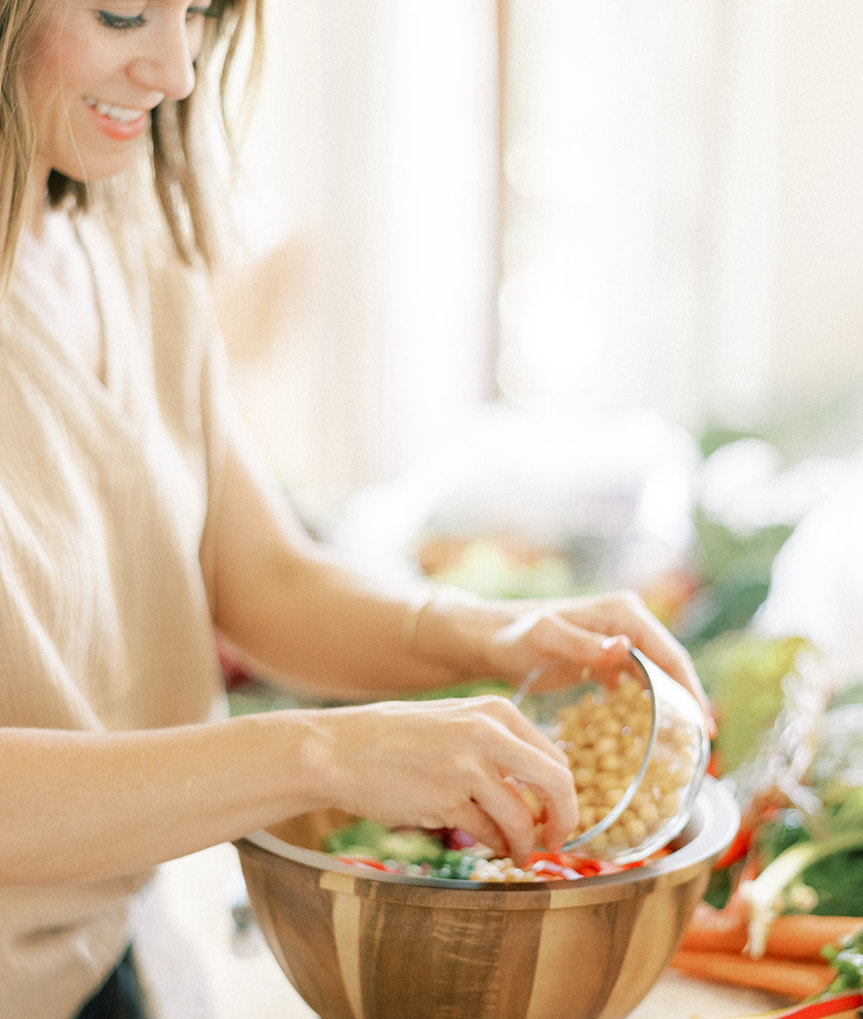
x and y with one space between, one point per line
360 945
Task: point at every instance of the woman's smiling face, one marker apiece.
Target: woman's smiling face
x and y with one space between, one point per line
94 72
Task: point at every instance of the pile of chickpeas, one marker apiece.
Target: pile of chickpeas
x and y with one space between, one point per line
605 736
501 870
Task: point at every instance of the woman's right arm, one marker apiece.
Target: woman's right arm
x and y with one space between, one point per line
80 806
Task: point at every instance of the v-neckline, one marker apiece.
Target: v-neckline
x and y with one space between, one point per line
95 365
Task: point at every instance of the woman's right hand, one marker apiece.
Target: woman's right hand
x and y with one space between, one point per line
455 763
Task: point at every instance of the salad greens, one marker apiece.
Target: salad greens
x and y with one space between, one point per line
451 854
847 959
410 849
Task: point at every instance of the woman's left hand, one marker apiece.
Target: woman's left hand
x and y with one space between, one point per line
564 637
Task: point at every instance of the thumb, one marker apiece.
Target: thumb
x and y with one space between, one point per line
548 641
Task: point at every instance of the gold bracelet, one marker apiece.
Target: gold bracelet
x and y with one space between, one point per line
415 608
419 603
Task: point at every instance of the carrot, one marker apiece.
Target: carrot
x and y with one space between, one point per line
795 980
803 936
791 936
718 930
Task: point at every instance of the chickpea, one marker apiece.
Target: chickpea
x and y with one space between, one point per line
606 734
612 797
610 762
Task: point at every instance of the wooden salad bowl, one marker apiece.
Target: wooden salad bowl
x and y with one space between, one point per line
360 944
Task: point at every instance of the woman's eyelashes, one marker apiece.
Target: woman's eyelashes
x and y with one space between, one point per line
120 21
123 21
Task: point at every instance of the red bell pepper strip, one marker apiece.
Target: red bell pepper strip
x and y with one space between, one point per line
366 861
550 870
832 1005
581 866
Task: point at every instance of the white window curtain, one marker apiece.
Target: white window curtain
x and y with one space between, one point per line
684 204
371 177
681 219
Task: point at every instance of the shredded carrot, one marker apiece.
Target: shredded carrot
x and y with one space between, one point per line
795 980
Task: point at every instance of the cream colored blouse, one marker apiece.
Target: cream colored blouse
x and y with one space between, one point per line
108 490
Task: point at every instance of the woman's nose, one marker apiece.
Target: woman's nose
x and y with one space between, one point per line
167 65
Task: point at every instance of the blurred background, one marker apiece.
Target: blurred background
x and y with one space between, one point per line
578 281
559 205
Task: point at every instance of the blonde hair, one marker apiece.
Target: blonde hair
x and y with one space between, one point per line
180 150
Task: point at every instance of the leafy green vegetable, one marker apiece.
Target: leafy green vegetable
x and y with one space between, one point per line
368 838
361 838
720 886
832 884
470 688
743 674
769 894
838 883
827 840
735 571
410 847
847 959
455 864
401 847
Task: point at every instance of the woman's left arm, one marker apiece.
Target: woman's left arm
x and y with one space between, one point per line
285 599
289 603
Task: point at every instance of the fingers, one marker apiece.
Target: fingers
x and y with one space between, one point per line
471 763
531 794
471 818
551 636
514 818
596 634
652 638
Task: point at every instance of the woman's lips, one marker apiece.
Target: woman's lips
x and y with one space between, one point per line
118 122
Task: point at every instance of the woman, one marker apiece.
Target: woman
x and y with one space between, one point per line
136 522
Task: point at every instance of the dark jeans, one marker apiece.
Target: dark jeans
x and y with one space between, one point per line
119 997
